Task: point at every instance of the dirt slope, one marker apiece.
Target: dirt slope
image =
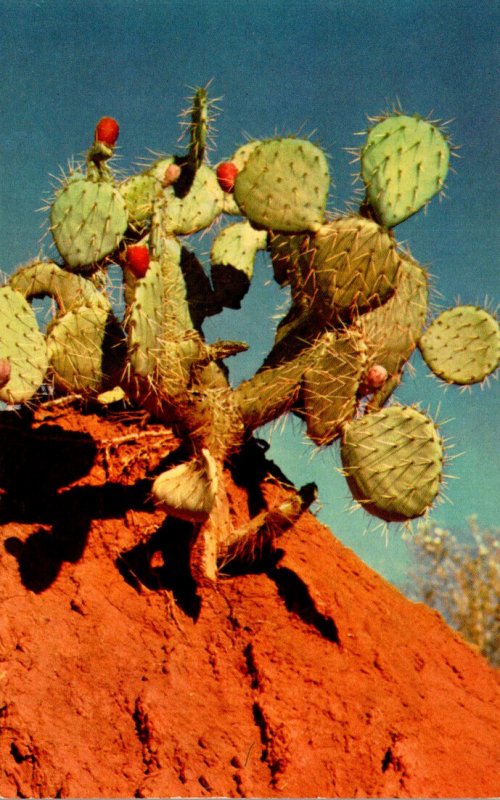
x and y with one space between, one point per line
309 675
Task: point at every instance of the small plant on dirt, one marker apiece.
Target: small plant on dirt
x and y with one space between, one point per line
359 308
461 580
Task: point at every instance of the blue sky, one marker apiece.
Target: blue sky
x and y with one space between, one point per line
281 67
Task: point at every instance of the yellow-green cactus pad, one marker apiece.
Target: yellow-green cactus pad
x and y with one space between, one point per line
233 255
462 345
22 345
393 460
86 348
284 185
330 384
352 267
139 192
88 220
198 209
404 163
45 278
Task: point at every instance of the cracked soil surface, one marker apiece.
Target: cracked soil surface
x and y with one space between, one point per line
302 674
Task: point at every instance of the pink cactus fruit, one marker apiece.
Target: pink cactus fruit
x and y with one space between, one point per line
5 371
374 379
172 174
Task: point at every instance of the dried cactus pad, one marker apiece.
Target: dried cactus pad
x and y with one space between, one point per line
87 221
392 460
404 163
284 185
462 345
22 345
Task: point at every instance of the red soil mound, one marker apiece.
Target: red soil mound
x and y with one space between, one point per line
305 675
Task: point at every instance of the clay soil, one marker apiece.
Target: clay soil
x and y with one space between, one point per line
302 674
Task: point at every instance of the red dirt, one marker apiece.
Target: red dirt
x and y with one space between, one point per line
307 675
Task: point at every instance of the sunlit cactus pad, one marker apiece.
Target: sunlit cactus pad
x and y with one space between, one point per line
393 461
87 220
45 278
354 266
233 255
198 209
284 185
84 349
462 345
404 163
22 345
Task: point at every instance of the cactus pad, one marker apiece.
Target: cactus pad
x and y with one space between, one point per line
233 255
44 278
139 192
462 345
404 163
330 384
284 185
22 345
392 460
87 220
197 209
144 321
353 267
85 348
392 331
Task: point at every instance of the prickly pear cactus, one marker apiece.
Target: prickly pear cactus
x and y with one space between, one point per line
462 345
404 163
358 309
23 351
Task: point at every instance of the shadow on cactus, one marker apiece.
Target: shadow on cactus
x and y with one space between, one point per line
359 308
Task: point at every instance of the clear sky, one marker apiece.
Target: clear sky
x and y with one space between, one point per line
282 66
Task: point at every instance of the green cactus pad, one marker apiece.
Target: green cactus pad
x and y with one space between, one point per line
44 278
22 345
86 350
354 265
239 159
287 252
404 163
139 192
330 384
88 220
392 331
233 256
284 185
393 460
144 321
462 345
197 209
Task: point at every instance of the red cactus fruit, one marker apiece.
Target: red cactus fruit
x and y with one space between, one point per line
226 175
5 370
107 131
137 259
172 174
